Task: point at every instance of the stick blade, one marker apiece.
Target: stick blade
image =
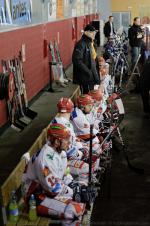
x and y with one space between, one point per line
17 127
29 113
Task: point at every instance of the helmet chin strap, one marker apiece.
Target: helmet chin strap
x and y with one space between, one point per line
58 147
83 109
58 150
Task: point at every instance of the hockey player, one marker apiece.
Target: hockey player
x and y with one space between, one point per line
101 61
80 122
105 78
102 118
106 86
48 165
98 109
78 168
81 119
46 177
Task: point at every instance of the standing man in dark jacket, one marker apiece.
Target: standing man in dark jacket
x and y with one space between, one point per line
84 58
135 35
109 28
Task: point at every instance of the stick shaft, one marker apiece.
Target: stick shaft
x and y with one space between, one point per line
90 154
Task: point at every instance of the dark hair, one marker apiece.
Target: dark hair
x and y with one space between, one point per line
110 17
135 18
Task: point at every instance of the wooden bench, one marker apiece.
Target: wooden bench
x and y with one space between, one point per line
13 182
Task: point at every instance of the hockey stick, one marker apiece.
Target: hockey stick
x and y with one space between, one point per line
90 182
11 106
137 170
90 154
116 127
15 68
121 112
60 62
121 74
54 65
27 111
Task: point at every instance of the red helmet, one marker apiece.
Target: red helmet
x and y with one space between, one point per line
59 131
65 105
84 100
96 95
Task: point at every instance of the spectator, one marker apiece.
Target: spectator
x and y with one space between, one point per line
145 87
135 35
84 59
109 28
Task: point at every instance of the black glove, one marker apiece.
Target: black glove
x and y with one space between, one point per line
82 193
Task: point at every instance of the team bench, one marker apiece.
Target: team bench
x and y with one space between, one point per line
13 182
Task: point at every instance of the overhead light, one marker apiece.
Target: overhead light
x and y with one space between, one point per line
129 7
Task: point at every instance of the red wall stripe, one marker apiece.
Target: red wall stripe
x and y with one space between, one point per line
36 67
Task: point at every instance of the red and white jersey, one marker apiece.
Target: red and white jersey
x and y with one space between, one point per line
48 168
102 107
73 151
67 123
92 118
82 127
81 123
106 83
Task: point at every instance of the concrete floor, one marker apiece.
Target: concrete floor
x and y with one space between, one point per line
125 196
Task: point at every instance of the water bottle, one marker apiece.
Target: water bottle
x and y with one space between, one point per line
32 208
67 171
13 208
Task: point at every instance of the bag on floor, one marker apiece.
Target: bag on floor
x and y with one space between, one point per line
61 208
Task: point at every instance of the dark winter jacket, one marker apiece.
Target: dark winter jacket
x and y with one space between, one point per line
133 31
107 29
84 67
145 76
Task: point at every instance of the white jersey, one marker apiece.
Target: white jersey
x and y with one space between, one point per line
106 82
92 117
103 106
48 168
75 145
82 127
81 123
